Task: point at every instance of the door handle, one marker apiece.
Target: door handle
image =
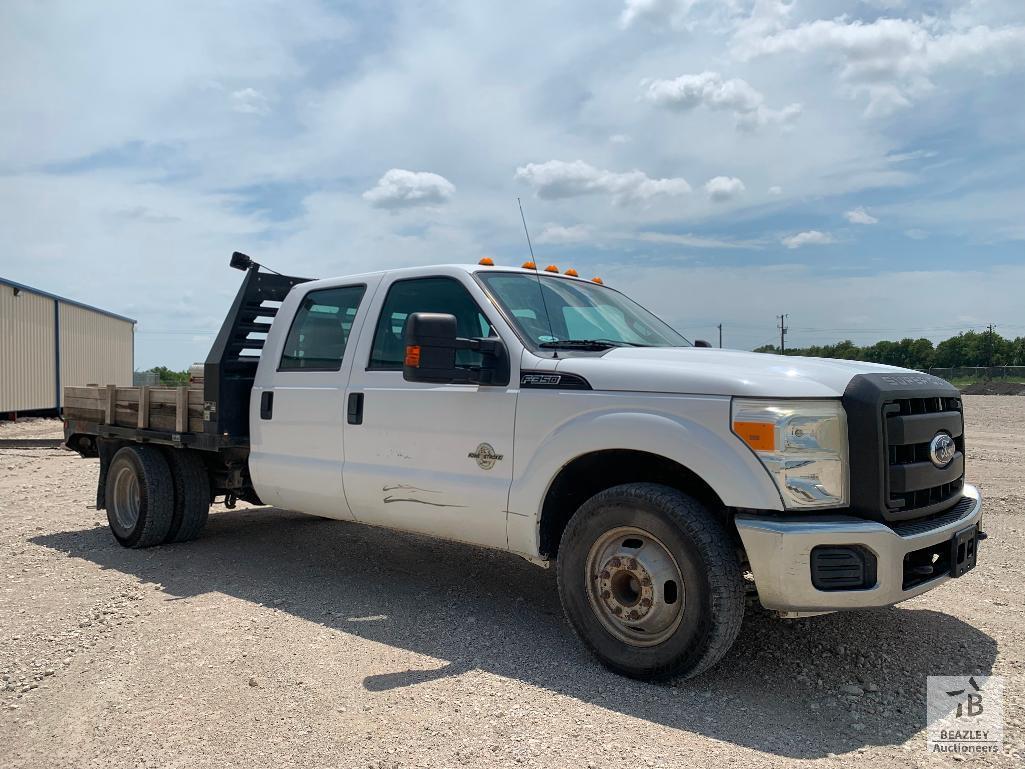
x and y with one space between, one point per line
354 409
266 404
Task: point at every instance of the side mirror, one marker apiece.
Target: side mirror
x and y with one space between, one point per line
701 343
431 344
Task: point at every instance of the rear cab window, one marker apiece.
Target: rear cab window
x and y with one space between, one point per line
320 330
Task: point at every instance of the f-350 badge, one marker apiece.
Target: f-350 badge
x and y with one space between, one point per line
485 456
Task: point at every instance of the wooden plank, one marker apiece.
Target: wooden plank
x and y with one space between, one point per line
181 410
82 392
164 395
195 396
87 415
195 425
143 415
110 404
86 403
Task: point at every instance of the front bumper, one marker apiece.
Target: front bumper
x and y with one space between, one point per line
779 550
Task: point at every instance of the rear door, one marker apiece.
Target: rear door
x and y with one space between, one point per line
297 411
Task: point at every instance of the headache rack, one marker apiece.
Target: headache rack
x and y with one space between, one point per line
230 368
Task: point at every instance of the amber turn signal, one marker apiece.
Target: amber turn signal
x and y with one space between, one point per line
760 436
412 356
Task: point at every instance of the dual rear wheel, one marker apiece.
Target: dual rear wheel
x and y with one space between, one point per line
156 497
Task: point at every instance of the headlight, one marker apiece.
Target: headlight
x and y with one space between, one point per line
803 445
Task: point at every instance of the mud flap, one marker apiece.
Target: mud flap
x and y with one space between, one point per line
106 451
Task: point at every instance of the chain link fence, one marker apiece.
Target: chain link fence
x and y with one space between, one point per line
1009 373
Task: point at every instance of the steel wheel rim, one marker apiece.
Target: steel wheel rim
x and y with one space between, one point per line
634 586
127 498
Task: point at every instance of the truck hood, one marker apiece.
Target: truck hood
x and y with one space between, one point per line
711 371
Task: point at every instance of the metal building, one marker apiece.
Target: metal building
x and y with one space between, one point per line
48 342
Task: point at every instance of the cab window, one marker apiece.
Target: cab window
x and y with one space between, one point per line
320 331
439 294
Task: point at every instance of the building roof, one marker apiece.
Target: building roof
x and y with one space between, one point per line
22 287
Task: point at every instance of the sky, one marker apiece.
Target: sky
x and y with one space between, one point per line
855 165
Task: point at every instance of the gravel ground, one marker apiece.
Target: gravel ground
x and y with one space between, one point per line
284 640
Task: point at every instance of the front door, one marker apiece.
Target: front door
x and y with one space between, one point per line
428 457
297 412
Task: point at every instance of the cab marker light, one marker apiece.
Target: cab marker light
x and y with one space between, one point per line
598 280
760 436
529 266
487 261
412 356
572 273
551 268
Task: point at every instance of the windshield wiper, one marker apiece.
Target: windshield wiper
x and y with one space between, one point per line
587 344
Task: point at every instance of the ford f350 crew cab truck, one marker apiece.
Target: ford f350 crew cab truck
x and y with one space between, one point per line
551 416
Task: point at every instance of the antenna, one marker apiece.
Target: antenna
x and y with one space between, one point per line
540 289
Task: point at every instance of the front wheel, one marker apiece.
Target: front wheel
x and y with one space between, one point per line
650 581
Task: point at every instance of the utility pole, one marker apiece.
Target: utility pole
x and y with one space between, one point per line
989 346
782 333
720 336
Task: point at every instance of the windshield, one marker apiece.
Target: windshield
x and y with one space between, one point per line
578 311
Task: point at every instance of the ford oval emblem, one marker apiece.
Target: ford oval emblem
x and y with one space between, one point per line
942 449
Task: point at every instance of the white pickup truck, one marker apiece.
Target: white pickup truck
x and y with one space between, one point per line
551 416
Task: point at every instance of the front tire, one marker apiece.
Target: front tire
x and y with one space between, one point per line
139 496
650 581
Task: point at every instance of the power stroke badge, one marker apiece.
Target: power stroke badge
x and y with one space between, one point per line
485 456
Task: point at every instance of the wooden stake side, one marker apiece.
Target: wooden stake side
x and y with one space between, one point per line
181 410
143 407
109 411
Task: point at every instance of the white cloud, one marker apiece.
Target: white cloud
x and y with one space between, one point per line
723 188
655 11
775 190
860 216
399 188
697 241
711 90
892 61
249 101
620 139
557 233
560 179
808 238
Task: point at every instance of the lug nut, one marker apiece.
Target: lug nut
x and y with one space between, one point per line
605 574
606 594
645 602
631 563
634 615
617 609
646 582
615 563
